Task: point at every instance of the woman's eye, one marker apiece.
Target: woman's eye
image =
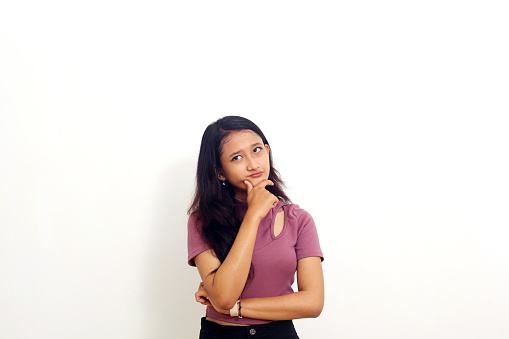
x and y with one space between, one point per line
257 149
238 157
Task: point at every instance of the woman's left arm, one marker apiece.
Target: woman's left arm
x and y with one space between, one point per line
306 303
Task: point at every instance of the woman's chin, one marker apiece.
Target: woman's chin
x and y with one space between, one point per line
256 180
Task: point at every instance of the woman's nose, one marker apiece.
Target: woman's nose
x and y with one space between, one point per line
252 164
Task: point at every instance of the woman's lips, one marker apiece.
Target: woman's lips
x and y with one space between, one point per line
256 175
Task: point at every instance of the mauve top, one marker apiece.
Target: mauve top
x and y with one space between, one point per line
274 258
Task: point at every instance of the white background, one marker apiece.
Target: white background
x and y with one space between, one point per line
386 119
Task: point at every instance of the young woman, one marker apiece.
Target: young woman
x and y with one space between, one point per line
247 240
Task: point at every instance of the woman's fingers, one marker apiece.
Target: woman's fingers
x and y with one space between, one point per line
261 184
248 185
265 182
275 202
204 301
201 295
259 199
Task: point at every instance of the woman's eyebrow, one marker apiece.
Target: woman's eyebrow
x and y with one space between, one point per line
253 145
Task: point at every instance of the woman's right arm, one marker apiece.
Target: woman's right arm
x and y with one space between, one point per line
226 284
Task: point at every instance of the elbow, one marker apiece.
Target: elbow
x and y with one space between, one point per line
316 311
224 299
226 303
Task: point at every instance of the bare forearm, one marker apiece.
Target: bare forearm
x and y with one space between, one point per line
230 278
302 304
225 285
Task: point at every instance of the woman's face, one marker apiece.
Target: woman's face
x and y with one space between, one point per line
244 157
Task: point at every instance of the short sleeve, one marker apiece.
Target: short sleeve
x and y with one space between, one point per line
195 243
308 244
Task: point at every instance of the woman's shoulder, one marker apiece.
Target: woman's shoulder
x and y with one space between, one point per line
194 223
297 212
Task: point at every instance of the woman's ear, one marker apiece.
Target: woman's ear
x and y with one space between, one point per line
220 174
267 147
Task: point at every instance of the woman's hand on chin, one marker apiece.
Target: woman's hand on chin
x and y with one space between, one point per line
259 199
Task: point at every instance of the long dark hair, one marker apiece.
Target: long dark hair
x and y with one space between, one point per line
214 203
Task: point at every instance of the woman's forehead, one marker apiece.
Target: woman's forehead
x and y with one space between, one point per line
240 139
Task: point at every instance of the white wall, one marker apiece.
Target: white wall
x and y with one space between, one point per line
386 120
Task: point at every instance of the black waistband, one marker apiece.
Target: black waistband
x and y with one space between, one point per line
273 328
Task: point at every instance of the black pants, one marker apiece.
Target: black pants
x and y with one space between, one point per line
276 329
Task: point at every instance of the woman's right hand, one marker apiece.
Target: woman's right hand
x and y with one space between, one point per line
259 200
202 296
